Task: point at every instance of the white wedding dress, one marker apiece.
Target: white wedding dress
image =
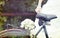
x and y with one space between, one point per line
51 7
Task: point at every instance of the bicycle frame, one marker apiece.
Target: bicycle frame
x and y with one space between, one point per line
43 27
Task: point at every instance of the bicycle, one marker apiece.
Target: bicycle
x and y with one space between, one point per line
43 19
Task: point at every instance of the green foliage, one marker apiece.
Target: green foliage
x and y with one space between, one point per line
2 21
2 18
2 2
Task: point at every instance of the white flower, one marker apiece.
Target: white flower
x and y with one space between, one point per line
27 24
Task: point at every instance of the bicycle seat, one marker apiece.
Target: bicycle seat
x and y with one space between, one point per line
46 17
